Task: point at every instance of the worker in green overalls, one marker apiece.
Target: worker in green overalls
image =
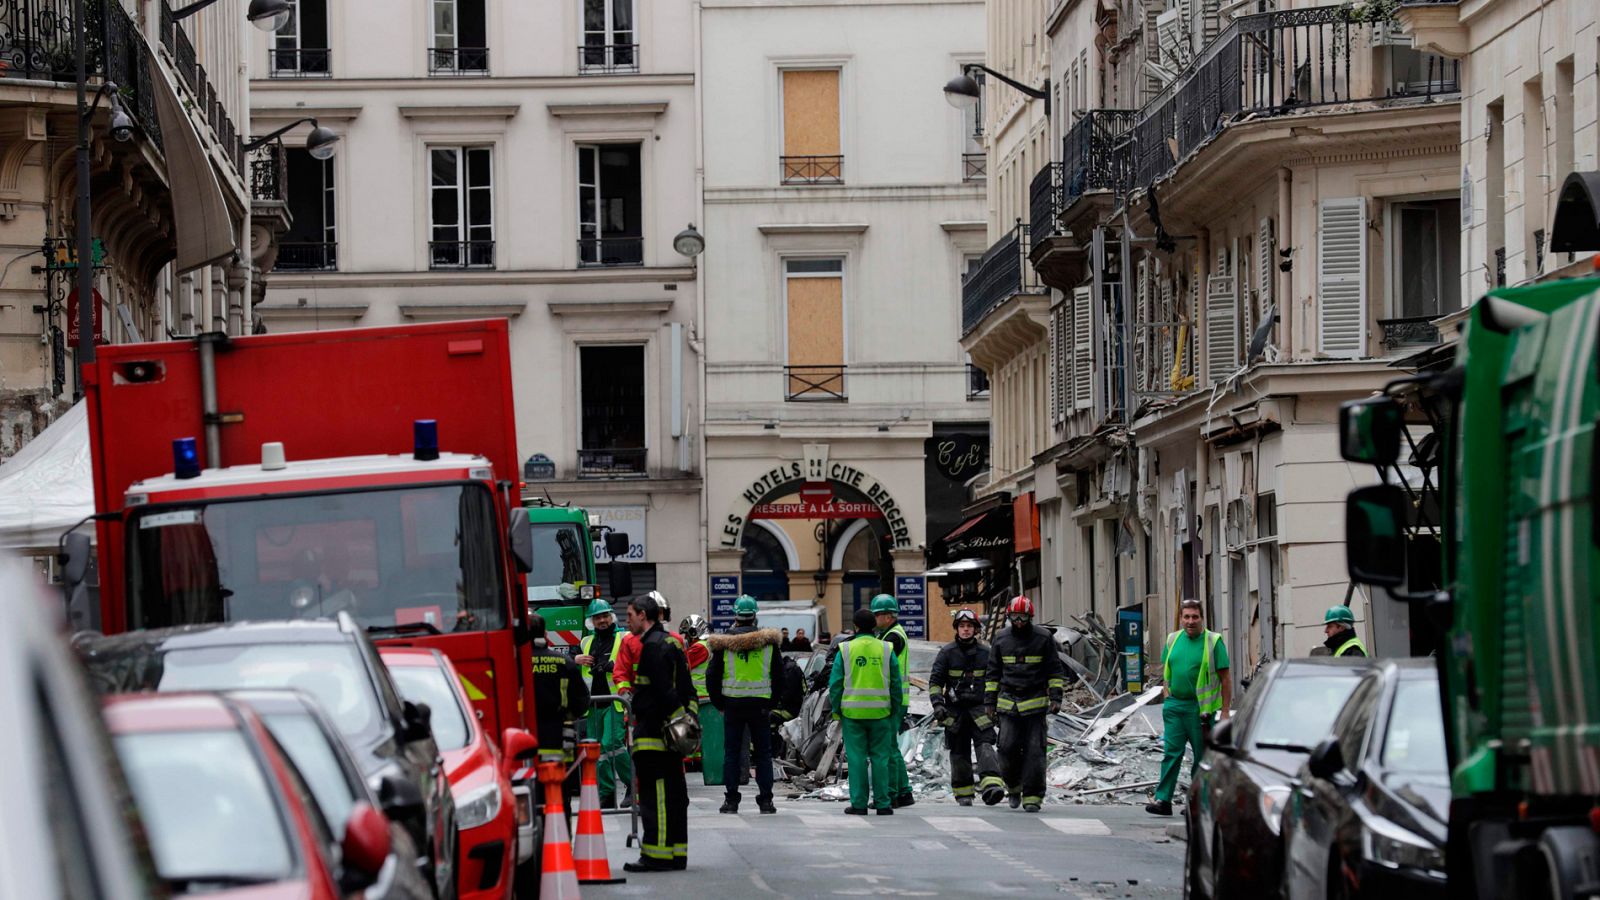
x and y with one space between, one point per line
864 692
605 722
886 610
1194 666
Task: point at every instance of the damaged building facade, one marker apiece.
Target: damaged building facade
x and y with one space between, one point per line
1244 219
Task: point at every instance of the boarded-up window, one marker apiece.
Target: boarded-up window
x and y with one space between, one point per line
814 291
811 125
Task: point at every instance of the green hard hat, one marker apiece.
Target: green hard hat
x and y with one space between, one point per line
745 606
883 603
1339 613
599 608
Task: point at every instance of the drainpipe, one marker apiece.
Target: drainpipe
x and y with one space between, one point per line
698 340
207 344
1286 304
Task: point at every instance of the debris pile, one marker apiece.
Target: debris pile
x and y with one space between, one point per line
1108 752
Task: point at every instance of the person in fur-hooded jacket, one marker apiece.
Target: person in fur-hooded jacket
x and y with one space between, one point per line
745 681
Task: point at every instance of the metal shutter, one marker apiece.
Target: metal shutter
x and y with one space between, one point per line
1266 254
1082 348
1222 327
1342 276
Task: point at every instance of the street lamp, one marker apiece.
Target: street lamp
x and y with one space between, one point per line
689 242
962 91
321 143
267 15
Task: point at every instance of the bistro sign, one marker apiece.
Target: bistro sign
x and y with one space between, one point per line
814 468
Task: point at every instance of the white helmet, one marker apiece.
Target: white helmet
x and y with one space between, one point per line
661 601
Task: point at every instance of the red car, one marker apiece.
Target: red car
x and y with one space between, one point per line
488 815
225 811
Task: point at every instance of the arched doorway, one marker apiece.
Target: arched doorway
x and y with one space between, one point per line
765 566
863 567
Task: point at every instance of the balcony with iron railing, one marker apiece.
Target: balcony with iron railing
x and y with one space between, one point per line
470 62
974 166
1281 63
1095 153
618 250
1410 331
307 256
811 169
613 462
300 63
269 173
1001 274
1044 202
461 254
608 59
814 383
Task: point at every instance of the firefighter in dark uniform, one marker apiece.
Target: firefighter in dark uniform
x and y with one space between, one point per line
956 685
662 690
1024 683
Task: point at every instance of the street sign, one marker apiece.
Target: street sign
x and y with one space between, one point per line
72 318
911 592
830 509
724 590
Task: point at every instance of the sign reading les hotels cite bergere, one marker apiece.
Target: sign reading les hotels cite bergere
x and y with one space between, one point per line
814 468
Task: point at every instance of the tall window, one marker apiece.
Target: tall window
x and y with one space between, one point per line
974 164
611 379
300 47
814 299
461 207
811 153
311 243
1426 243
460 38
610 205
610 44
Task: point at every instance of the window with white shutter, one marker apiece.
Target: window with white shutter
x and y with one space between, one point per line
1342 277
1142 328
1243 273
1059 356
1082 348
1222 327
1169 331
1266 270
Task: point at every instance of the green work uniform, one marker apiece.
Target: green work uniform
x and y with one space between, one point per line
902 778
864 691
710 722
1194 695
607 724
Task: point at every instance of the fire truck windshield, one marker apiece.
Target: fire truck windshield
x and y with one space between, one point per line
558 558
416 555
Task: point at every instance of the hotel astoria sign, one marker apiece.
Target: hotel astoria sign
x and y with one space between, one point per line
790 476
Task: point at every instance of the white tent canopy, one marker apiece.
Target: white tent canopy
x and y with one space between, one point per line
48 486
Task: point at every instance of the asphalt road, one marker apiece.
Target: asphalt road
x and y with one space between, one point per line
933 849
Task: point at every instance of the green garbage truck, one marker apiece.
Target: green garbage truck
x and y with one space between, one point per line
563 578
1515 590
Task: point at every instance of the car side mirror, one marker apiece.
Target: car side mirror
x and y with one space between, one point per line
1369 430
418 721
1327 759
521 538
364 849
1375 544
1221 738
518 744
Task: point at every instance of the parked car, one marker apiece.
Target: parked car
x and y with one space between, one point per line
337 665
1370 814
313 744
66 826
227 812
1250 766
486 810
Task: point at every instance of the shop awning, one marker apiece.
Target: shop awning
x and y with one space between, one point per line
205 231
987 534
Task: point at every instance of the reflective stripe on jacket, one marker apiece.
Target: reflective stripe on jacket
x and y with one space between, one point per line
1207 687
866 680
747 674
588 676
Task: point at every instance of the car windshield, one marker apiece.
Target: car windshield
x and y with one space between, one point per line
1299 709
558 558
332 674
318 761
388 557
1414 743
208 808
429 684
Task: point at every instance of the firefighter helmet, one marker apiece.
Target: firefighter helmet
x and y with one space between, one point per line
964 615
661 603
692 626
883 603
1020 606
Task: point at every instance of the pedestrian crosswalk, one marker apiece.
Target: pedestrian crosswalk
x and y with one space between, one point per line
933 824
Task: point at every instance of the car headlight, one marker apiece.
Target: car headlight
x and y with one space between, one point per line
1399 849
1274 800
478 806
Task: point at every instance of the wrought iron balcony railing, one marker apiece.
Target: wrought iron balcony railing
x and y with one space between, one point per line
461 254
608 59
611 251
269 173
974 166
37 42
1044 201
1096 152
1001 274
1276 63
307 256
814 383
302 63
812 169
467 61
1409 331
613 462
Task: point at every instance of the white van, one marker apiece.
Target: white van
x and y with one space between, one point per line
794 616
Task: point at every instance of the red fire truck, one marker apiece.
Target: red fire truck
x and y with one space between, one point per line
371 471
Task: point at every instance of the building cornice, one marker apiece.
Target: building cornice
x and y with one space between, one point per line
300 87
342 311
468 309
329 113
630 308
964 225
460 111
844 193
813 228
459 277
649 108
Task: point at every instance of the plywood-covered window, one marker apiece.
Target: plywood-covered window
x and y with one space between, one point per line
811 145
814 329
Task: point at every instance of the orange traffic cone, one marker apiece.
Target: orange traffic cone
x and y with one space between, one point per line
589 846
560 878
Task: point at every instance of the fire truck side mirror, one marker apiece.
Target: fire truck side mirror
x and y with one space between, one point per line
522 541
